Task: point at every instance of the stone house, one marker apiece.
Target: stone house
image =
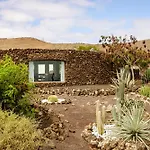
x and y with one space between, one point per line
48 67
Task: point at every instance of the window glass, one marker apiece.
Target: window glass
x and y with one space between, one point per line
44 71
51 68
41 68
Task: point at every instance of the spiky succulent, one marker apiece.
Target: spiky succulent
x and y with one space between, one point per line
133 126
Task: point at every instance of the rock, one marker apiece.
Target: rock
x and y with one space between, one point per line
65 108
96 93
88 103
89 127
72 131
109 108
61 115
61 138
78 92
105 92
67 121
60 125
68 101
93 143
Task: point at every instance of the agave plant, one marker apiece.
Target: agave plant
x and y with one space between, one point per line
124 76
133 126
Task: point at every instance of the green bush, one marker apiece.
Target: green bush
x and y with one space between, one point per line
147 74
145 91
18 133
87 48
14 85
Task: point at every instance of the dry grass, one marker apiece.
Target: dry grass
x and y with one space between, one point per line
32 43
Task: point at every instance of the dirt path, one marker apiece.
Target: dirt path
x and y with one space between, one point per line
79 114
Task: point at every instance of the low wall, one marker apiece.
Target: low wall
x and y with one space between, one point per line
81 67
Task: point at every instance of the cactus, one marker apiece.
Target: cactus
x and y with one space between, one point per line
100 118
53 98
103 114
100 125
123 80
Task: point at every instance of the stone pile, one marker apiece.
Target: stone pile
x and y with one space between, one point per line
52 127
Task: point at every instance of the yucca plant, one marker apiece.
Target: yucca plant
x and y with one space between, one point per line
133 126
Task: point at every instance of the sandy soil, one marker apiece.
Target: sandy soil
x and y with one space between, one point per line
78 114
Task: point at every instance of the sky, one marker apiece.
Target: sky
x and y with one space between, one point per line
71 21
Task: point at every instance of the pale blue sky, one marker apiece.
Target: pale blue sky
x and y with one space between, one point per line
74 20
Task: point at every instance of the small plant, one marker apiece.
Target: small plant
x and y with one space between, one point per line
133 126
145 91
53 98
147 76
100 118
18 132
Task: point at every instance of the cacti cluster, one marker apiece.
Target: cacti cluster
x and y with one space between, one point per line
123 80
100 117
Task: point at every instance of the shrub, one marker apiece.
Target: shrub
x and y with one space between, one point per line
18 133
145 91
14 84
53 98
121 51
88 48
147 75
133 126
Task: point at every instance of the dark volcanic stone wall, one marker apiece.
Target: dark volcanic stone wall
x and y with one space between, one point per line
81 67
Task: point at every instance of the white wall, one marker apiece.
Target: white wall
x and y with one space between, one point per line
62 72
31 71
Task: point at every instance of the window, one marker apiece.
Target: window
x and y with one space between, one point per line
41 68
44 71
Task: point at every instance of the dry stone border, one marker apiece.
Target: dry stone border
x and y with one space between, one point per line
80 92
108 144
75 92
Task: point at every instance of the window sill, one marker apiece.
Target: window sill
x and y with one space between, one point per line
50 82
